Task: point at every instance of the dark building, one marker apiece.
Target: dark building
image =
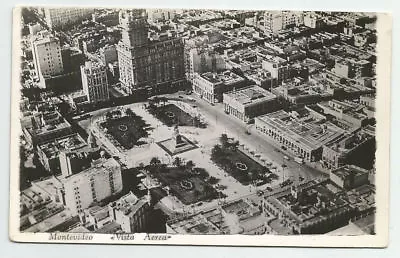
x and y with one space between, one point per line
157 64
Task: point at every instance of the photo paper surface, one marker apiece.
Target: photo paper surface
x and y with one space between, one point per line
200 127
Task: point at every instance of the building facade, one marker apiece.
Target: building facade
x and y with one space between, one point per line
131 213
211 86
103 179
299 132
275 21
249 102
278 67
94 81
47 57
59 18
157 64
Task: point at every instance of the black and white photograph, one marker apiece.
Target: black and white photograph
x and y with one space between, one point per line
187 126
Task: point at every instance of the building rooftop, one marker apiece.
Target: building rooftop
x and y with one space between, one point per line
46 122
226 77
250 95
348 170
66 143
314 202
128 204
302 127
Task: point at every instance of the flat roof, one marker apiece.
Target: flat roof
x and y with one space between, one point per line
225 77
251 95
69 142
304 129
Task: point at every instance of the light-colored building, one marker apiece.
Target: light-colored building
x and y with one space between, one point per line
160 15
102 180
278 67
157 65
347 111
275 21
300 132
211 86
349 176
94 81
59 18
249 102
131 213
312 20
47 57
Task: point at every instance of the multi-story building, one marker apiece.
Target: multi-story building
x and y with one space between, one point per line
59 18
278 67
310 208
211 86
108 54
94 81
157 64
275 21
300 132
101 180
349 176
47 57
346 111
249 102
357 148
312 20
160 15
131 213
46 126
48 152
202 61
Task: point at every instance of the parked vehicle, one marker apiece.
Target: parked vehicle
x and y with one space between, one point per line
286 157
299 160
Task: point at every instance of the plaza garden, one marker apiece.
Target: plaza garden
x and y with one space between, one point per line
126 129
171 115
247 171
188 183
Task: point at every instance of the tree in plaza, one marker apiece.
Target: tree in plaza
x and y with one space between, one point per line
190 165
154 162
129 112
163 100
141 165
177 162
224 140
216 152
108 115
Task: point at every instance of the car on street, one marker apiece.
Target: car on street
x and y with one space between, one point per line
286 157
181 97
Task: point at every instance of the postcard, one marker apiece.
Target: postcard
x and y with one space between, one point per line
200 127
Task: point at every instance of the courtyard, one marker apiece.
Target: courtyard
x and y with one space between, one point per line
127 130
237 164
171 115
188 183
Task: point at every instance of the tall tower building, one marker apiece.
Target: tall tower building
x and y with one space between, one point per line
46 53
94 81
157 65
